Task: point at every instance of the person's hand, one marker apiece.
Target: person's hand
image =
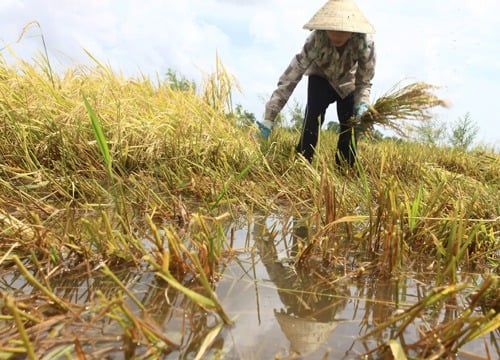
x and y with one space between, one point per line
360 109
363 124
265 128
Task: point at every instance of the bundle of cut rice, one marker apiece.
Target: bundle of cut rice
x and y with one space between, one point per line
399 104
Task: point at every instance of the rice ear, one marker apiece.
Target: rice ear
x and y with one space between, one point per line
400 104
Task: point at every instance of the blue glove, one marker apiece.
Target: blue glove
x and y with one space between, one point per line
362 126
360 109
265 128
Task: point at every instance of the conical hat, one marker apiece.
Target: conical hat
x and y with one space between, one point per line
305 336
340 15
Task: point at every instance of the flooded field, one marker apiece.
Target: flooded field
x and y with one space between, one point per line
280 308
131 227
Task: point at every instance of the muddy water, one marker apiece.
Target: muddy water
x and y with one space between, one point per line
278 311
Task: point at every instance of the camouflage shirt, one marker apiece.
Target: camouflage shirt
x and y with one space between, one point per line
351 69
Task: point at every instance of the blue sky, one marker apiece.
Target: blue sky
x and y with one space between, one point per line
449 43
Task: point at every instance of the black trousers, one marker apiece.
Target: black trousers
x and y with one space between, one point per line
320 94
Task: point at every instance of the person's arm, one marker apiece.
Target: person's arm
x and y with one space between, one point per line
289 79
365 71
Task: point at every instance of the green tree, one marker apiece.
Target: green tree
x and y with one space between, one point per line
333 126
463 133
179 82
374 135
243 117
431 132
280 120
296 114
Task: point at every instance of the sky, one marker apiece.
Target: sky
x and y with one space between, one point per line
449 43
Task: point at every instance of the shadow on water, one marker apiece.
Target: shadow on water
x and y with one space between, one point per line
281 307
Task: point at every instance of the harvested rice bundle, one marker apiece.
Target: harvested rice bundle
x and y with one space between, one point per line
411 102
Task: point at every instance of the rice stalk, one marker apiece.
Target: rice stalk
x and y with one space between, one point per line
10 304
145 327
207 342
42 37
400 104
218 88
60 352
163 272
107 271
446 338
397 350
35 283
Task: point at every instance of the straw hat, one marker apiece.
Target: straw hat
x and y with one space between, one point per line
340 15
305 336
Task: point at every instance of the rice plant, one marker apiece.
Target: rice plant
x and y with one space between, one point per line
105 178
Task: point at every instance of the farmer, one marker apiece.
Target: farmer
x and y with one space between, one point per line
339 58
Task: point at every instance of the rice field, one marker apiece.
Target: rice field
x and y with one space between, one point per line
121 198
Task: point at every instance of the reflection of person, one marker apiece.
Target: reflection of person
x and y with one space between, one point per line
339 58
308 316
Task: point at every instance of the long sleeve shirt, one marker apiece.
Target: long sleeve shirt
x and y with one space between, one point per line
348 69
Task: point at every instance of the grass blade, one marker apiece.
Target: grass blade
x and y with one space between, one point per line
99 135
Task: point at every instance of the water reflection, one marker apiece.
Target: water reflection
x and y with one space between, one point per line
280 310
284 312
307 315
